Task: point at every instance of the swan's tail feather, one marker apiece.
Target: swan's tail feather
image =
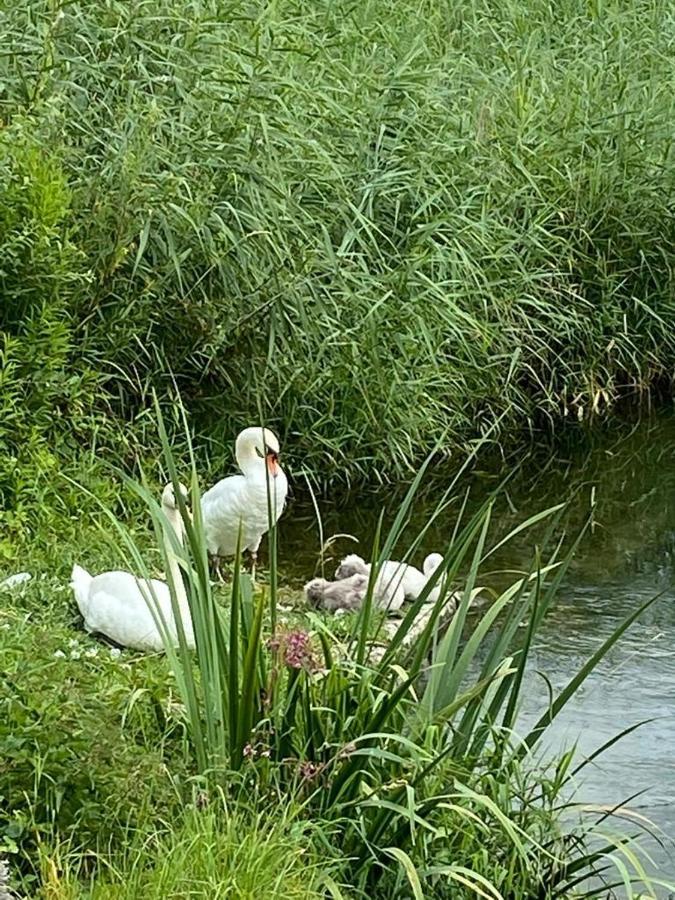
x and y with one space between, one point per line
80 581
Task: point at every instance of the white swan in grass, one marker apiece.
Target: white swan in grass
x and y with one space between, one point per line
117 604
241 501
394 576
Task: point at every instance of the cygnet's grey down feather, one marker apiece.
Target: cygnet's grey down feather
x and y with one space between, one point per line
352 565
348 593
388 593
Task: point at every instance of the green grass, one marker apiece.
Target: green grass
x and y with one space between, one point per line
213 852
383 235
384 240
95 783
82 726
102 796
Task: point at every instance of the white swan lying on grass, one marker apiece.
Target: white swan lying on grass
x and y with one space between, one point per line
242 500
120 606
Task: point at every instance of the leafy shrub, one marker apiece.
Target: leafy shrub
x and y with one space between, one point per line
46 392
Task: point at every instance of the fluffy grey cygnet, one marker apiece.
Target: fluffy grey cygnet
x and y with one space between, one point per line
347 594
352 565
396 577
389 592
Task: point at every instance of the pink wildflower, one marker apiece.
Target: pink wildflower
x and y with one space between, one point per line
308 770
295 649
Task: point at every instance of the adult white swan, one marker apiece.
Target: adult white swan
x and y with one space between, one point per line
240 501
117 604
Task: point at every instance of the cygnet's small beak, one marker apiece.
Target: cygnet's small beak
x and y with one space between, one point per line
272 460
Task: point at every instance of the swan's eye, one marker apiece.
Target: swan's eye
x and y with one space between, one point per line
260 453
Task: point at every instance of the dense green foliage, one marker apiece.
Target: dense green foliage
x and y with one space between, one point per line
382 233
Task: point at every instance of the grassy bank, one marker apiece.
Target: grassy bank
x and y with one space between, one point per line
382 234
284 757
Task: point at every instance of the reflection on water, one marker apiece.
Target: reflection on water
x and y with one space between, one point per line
625 559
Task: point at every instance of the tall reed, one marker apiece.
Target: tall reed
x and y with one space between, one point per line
383 235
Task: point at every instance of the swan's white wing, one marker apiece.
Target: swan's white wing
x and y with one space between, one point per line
222 509
240 499
118 609
388 593
413 582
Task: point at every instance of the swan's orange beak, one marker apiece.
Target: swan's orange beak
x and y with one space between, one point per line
272 464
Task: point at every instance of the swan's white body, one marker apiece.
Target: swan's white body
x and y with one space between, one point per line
388 592
241 500
120 606
395 578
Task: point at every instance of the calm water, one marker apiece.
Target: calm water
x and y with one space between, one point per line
628 558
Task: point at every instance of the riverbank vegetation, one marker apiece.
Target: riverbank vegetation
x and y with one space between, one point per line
385 228
288 758
380 235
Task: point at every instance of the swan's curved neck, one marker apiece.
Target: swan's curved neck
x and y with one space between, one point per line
248 460
176 523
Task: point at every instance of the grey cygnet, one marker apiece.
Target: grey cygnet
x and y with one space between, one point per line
348 593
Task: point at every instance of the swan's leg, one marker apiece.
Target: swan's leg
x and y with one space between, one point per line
214 565
253 550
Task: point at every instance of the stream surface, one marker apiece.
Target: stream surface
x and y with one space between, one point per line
627 557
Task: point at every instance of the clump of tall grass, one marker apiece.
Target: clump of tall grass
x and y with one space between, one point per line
474 216
222 851
413 760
